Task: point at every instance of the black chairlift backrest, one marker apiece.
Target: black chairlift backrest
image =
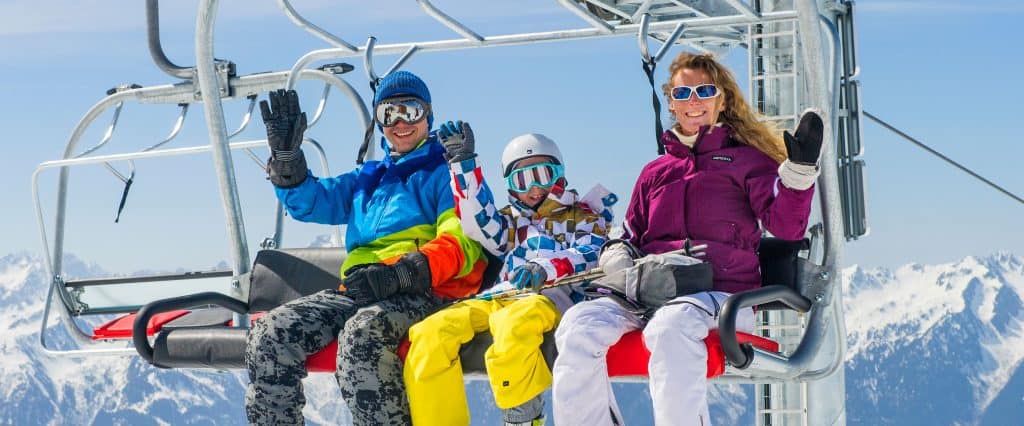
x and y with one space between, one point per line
279 276
780 265
779 261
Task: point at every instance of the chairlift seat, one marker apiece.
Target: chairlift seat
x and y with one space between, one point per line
202 338
121 327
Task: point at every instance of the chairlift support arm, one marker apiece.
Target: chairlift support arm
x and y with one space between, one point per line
548 36
156 50
311 28
448 21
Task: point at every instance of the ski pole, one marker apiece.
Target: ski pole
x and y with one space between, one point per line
593 274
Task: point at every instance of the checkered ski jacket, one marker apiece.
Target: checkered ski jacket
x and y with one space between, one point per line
564 234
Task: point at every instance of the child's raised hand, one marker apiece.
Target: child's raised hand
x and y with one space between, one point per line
458 142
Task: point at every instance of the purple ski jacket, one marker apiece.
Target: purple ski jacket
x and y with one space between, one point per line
715 193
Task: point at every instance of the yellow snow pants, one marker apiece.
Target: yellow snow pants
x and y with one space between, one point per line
515 364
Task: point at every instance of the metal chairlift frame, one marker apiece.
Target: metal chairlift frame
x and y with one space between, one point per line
816 360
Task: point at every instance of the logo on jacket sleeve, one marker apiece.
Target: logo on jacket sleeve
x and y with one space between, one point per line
724 158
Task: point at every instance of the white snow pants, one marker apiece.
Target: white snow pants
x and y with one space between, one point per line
582 393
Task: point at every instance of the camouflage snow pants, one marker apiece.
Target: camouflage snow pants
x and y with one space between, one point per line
369 370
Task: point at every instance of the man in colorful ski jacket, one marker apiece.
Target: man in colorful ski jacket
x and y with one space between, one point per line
547 232
406 254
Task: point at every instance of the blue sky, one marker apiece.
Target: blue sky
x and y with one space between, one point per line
922 62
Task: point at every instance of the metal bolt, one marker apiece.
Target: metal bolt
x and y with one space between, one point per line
235 284
824 275
819 297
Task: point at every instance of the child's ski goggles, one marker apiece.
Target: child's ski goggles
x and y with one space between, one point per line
408 109
543 175
703 91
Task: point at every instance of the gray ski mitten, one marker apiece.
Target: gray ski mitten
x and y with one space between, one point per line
286 124
457 139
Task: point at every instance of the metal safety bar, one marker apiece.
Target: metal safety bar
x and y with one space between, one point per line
599 24
139 335
644 33
448 21
176 94
57 281
547 36
318 32
368 52
178 124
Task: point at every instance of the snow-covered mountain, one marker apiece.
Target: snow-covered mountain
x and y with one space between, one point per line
36 388
939 344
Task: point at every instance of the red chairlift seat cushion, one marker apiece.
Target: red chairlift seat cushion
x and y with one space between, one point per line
628 357
121 327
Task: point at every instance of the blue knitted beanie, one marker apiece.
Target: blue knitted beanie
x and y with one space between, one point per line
403 83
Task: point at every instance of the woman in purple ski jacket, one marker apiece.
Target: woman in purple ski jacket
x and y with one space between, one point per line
724 178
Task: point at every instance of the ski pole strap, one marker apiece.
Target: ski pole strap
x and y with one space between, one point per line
368 136
658 129
124 197
366 143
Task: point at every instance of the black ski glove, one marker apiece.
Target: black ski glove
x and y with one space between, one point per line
458 141
373 282
529 276
285 125
804 146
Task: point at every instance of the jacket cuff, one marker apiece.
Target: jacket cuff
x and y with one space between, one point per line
464 166
798 176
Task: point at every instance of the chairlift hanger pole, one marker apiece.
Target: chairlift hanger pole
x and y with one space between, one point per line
156 50
213 109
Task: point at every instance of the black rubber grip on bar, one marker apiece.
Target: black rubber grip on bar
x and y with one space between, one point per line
337 68
114 90
147 312
740 356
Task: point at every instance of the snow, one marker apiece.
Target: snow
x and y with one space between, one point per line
884 309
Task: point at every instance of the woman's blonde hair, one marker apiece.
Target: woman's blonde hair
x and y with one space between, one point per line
737 114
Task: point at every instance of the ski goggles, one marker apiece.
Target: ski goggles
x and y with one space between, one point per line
703 91
408 109
542 175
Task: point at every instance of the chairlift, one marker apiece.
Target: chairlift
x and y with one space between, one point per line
801 53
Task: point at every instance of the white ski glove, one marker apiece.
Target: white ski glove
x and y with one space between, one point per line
616 255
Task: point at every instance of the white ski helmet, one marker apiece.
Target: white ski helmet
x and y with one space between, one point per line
528 145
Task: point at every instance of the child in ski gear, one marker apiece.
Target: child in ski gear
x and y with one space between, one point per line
406 254
546 233
719 183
